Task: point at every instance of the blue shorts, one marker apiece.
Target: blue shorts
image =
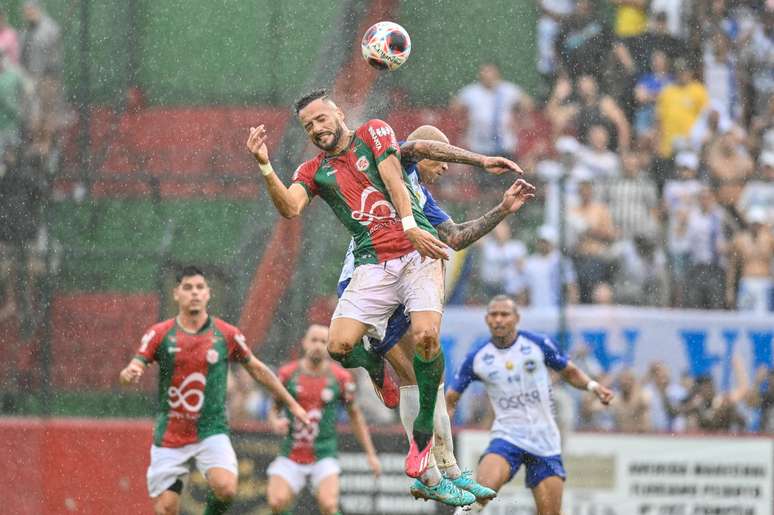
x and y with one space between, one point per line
397 326
538 467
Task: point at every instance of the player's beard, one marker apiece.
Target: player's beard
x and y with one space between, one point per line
337 133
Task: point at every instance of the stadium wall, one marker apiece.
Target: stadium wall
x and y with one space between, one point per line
261 52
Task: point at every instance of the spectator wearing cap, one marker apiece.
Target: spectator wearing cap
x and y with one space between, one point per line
705 234
9 39
751 253
593 228
632 199
500 257
680 198
759 193
545 273
729 166
678 107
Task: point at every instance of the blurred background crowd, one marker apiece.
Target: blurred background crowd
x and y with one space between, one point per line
647 126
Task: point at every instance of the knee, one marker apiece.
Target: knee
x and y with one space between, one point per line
339 345
279 502
165 507
225 491
426 339
329 504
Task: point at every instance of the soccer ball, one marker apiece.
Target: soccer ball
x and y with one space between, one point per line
386 46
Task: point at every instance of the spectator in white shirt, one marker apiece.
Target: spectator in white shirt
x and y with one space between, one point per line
596 156
543 276
759 193
704 232
500 256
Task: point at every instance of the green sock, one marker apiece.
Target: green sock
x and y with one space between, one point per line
429 375
360 357
215 506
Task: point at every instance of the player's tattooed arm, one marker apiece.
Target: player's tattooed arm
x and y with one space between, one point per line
459 236
440 151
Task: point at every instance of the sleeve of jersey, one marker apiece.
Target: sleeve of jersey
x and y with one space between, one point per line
465 374
347 386
149 344
304 175
435 215
380 138
553 356
237 346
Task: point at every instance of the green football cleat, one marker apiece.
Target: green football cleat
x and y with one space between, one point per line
444 492
467 483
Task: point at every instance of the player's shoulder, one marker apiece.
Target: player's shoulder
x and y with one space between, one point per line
160 329
478 348
309 166
374 128
541 340
341 373
288 369
224 327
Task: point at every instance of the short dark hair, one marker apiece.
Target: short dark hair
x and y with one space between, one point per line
503 298
188 271
309 98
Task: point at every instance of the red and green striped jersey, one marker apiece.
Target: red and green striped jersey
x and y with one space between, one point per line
320 396
351 185
193 369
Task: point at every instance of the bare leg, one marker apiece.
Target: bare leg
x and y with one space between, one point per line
328 495
279 494
548 496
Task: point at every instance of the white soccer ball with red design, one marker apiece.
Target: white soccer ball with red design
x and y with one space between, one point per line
386 45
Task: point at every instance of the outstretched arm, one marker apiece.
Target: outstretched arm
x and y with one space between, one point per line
263 375
578 378
440 151
459 236
360 429
288 201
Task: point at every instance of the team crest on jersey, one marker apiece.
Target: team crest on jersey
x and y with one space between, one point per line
526 349
326 395
212 356
362 164
530 365
488 359
509 365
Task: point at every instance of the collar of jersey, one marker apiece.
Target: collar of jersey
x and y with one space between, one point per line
509 346
206 326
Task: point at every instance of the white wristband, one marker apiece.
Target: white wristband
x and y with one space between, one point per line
408 222
592 386
266 169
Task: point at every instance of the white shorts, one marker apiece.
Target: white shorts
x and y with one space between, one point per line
168 464
754 294
377 289
296 474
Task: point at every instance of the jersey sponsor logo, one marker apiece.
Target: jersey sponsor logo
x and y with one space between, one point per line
493 375
362 164
488 359
377 211
519 401
212 356
187 396
147 337
525 349
377 133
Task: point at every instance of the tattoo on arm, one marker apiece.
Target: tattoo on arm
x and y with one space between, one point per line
459 236
439 151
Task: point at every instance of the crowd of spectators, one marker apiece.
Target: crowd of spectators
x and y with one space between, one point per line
654 138
31 117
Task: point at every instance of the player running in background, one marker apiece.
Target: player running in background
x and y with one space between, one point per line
309 451
513 365
193 351
359 175
397 345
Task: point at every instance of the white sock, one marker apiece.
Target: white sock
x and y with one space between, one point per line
409 410
443 450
